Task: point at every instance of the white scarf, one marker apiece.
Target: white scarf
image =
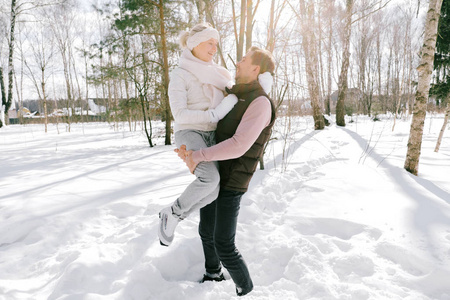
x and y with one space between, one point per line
214 77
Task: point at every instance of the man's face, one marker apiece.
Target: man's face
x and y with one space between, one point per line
246 71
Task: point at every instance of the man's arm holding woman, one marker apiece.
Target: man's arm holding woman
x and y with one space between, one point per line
254 120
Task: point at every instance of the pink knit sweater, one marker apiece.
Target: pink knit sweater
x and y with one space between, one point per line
255 119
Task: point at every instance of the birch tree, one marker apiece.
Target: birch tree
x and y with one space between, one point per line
444 125
63 17
3 101
309 44
17 8
42 50
11 41
342 84
424 70
329 49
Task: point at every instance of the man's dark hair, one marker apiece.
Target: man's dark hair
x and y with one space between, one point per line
263 59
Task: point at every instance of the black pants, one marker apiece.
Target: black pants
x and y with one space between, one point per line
217 229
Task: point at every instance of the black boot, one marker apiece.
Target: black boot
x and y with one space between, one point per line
208 277
242 292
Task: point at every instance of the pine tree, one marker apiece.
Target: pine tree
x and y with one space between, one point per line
441 89
148 20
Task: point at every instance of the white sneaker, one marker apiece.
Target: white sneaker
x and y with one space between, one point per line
167 224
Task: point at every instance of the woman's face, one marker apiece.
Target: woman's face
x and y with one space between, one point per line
205 50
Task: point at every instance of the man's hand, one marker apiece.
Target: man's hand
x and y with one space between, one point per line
181 152
190 162
186 156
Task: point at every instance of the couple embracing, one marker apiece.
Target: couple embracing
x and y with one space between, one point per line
221 140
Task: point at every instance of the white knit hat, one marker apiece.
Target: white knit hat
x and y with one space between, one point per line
202 36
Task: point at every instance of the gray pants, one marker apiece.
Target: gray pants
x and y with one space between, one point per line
205 188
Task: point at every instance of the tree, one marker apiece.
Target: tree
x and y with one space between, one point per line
166 107
3 102
363 48
11 58
240 37
246 23
148 18
309 44
42 48
444 125
274 17
424 69
250 23
17 8
342 84
329 49
206 12
62 27
441 89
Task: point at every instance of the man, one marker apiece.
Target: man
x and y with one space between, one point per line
240 137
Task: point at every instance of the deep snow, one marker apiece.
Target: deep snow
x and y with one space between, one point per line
333 216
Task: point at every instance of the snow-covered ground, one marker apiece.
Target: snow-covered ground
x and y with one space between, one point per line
333 216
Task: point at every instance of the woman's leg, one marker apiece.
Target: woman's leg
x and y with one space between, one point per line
205 188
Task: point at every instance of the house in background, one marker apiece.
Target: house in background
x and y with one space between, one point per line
95 108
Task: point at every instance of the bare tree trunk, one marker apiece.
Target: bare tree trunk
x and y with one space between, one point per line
72 59
19 96
62 47
250 16
410 78
44 96
11 61
271 30
311 61
342 84
363 45
329 59
210 19
240 43
3 102
441 134
201 10
425 70
166 106
322 95
2 87
378 58
19 83
402 88
388 79
111 104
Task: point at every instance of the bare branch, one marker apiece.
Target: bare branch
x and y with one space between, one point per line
372 12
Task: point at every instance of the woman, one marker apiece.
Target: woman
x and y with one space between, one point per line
196 96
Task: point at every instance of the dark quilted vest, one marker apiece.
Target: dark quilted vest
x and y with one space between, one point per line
235 174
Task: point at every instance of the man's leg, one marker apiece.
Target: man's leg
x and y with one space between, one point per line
206 231
227 211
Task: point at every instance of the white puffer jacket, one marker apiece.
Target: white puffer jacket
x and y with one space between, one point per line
188 101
